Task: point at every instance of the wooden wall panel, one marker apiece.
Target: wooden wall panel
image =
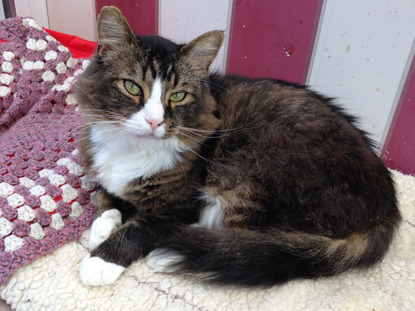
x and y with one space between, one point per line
399 150
183 20
142 15
76 17
34 8
273 38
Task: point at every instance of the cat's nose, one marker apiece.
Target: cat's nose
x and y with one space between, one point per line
154 123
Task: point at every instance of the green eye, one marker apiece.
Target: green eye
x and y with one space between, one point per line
177 97
132 88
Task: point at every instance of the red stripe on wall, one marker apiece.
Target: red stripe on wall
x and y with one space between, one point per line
142 15
399 149
273 39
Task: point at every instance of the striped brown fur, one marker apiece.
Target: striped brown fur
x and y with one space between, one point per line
300 192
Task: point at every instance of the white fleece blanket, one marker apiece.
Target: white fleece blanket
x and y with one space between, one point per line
52 282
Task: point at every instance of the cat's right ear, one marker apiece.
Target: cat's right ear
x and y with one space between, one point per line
113 30
201 52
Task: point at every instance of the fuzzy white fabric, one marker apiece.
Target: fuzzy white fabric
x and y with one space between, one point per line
52 282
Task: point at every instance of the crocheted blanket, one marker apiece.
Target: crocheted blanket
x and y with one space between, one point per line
44 196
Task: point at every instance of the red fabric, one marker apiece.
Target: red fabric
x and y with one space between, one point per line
79 47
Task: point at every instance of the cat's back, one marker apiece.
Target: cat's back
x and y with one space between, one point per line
265 99
274 108
281 127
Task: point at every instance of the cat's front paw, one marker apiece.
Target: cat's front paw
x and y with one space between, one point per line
95 271
103 226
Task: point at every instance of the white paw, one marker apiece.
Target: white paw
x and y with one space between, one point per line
103 226
95 271
162 261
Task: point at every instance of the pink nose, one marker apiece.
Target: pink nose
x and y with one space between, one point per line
154 123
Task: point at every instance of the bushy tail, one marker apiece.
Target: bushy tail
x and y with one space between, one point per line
238 256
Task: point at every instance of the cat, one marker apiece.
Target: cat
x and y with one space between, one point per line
233 180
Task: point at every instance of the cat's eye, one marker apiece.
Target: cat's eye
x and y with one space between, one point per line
177 97
132 88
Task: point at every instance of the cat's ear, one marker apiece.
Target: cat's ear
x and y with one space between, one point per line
113 30
201 52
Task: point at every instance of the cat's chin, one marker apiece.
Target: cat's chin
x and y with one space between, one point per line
153 135
148 137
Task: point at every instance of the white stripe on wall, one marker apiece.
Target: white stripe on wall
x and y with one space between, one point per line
398 96
183 20
1 11
361 54
34 8
75 17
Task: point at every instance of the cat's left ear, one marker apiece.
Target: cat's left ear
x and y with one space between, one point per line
201 52
114 32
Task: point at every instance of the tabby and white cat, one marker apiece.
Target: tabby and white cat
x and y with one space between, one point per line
243 181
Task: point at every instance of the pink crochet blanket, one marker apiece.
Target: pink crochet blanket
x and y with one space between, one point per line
44 195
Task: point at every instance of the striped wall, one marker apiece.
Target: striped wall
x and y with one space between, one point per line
399 147
360 52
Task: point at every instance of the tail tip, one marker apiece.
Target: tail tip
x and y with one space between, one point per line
160 260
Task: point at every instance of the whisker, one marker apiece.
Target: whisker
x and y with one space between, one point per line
194 152
197 134
196 130
88 137
107 141
184 172
62 140
192 138
214 84
242 127
102 112
102 122
204 136
102 116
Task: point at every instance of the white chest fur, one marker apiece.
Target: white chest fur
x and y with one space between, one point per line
120 158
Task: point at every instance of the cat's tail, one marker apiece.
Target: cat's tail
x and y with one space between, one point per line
238 256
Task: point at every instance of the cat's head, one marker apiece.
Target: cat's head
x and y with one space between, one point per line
147 86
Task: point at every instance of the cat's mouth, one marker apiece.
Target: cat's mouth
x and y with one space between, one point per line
150 135
141 131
